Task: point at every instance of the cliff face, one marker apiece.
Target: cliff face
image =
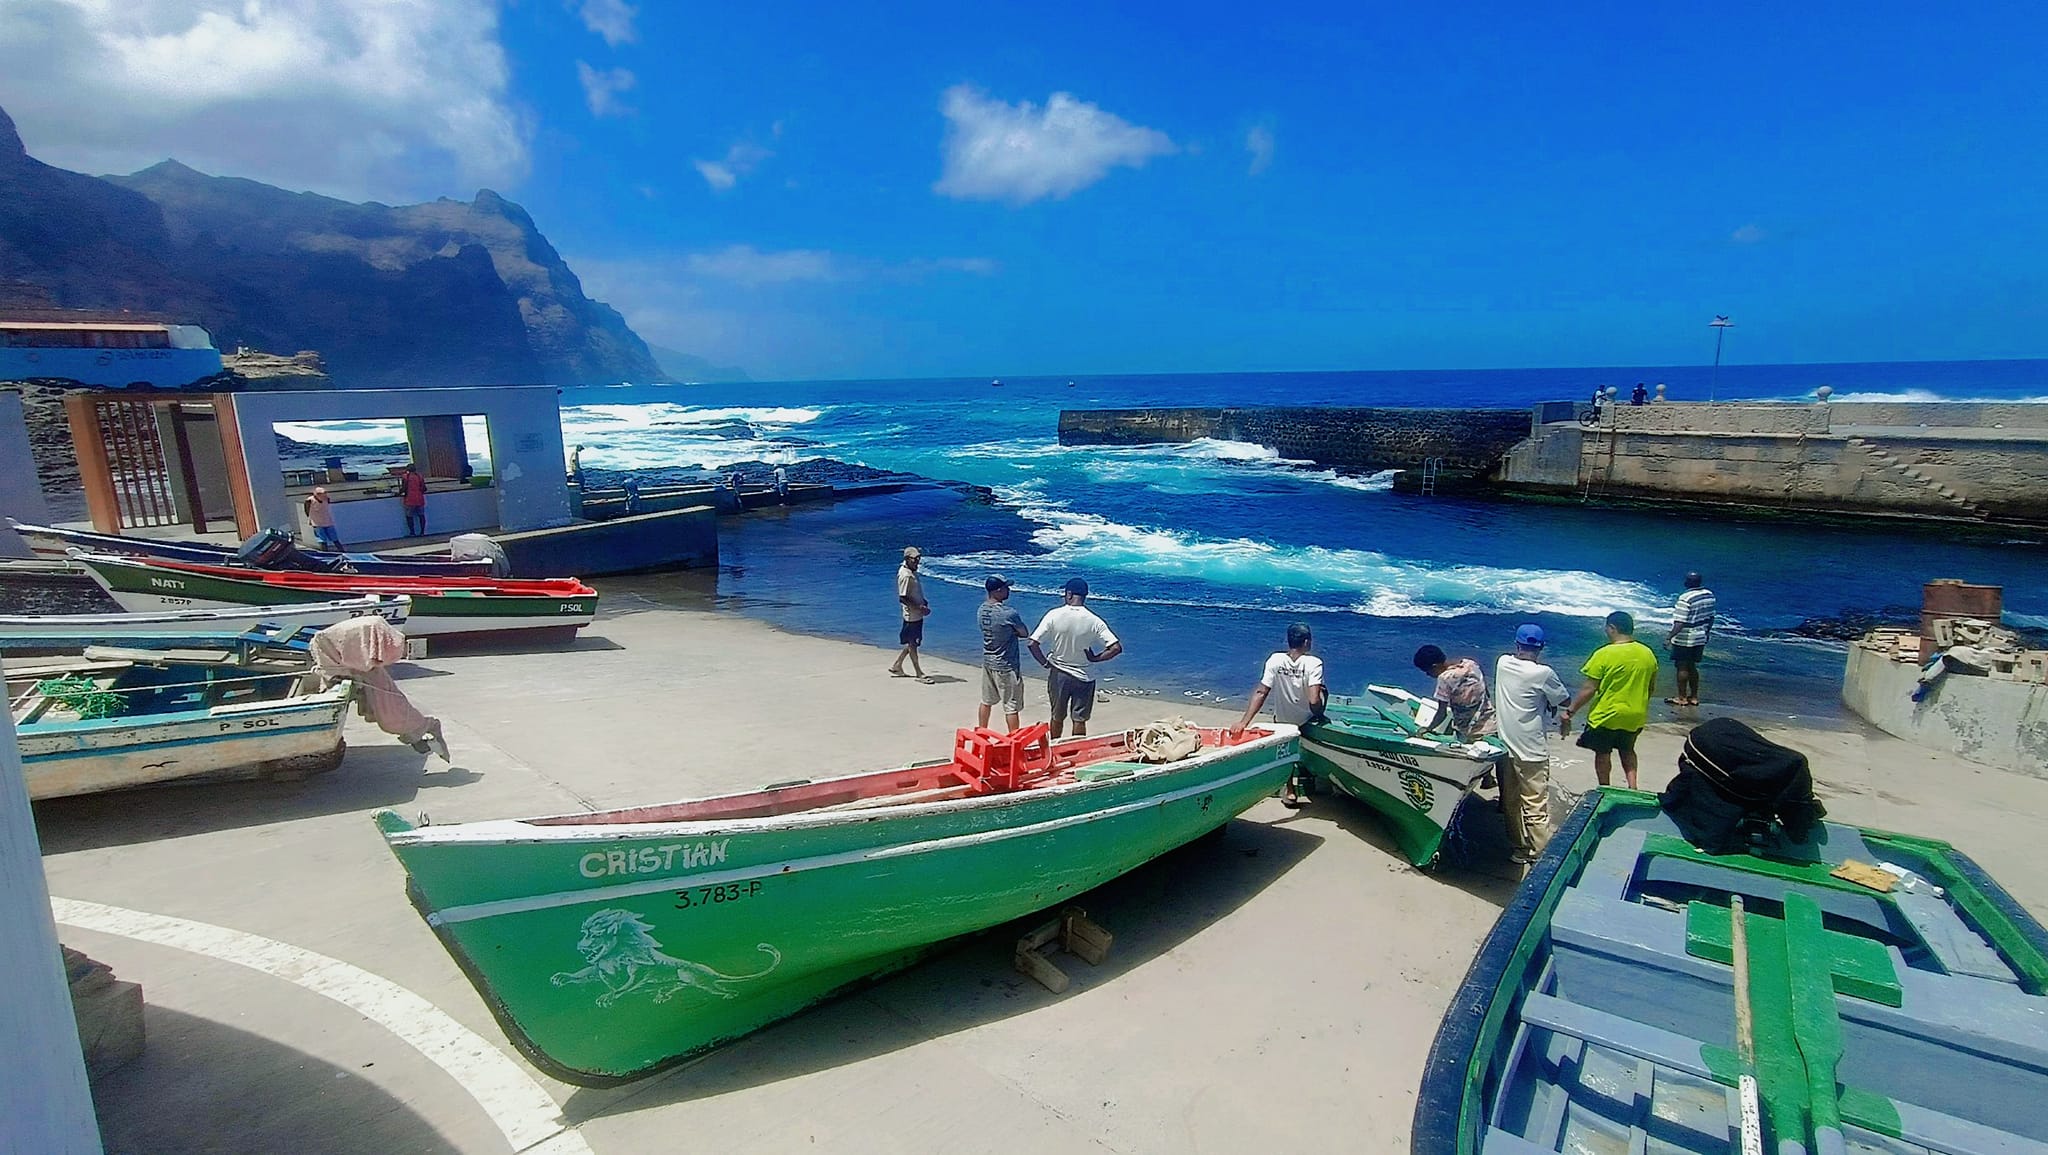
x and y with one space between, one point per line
429 294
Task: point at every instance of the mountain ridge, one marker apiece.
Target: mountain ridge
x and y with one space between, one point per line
439 293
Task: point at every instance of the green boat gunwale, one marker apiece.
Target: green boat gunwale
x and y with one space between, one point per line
1276 748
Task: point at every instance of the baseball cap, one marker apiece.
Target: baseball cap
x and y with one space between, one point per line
1530 635
997 581
1077 587
912 551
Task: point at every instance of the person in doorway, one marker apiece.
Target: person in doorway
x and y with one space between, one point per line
1074 640
1293 682
320 515
1460 692
1002 681
412 494
1526 692
1692 626
910 601
1640 396
1620 677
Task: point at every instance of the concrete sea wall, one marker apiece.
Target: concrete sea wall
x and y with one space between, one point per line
1986 720
1973 461
1909 459
1361 439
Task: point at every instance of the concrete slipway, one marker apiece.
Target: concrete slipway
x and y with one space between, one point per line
1274 989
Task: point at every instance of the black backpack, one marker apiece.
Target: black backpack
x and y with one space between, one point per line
1732 781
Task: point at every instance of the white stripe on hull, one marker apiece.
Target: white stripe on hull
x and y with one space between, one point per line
84 761
1385 776
423 622
205 618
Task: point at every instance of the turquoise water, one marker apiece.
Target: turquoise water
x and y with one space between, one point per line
1201 554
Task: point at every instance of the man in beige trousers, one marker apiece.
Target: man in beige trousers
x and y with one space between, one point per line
1525 695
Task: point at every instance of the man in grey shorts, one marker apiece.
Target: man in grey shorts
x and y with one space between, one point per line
1002 684
1074 640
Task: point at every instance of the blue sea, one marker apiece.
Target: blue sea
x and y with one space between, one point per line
1201 554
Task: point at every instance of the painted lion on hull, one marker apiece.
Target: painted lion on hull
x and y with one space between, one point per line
624 957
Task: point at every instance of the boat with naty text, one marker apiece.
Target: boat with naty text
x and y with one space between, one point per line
1380 748
612 944
1804 992
439 605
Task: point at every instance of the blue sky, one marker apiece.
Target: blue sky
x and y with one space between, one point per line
828 190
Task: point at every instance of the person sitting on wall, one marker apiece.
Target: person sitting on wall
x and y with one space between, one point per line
1640 396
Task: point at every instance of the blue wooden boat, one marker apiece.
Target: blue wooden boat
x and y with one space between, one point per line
113 718
54 540
1601 1013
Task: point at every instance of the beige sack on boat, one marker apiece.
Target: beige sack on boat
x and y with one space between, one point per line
1167 740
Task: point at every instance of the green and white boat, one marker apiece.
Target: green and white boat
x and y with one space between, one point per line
1376 747
613 944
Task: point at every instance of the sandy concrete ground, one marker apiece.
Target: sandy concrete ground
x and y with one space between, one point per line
1275 988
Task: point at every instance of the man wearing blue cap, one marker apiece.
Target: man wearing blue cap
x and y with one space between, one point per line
1074 639
1525 694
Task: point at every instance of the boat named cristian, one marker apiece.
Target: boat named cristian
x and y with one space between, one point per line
613 944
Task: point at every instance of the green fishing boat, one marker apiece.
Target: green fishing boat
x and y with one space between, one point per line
610 945
1806 991
1377 748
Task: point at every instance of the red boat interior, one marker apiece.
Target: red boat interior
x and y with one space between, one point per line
984 762
379 583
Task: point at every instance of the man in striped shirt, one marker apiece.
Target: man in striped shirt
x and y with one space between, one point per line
1692 624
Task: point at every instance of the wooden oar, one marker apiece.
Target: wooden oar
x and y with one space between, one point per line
1745 1036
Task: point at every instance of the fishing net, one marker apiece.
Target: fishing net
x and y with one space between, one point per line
81 696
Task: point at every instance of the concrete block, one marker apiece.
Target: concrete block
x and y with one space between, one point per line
109 1014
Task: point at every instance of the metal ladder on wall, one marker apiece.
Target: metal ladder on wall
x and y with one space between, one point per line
1432 468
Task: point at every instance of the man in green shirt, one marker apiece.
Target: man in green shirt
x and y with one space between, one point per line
1620 678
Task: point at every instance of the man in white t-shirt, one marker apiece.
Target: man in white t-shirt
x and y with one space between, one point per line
1293 682
1526 694
1073 639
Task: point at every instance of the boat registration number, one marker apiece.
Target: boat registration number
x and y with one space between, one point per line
716 895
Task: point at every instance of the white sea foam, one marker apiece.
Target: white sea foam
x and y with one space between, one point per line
1364 581
367 433
664 435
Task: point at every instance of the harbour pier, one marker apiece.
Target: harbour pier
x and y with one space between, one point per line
1936 461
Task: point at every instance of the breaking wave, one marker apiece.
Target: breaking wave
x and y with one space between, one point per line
665 435
1284 578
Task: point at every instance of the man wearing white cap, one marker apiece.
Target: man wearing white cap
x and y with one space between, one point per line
1525 694
910 599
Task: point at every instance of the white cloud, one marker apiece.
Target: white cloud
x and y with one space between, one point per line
601 89
747 265
1021 153
739 160
1748 234
1259 143
387 98
611 19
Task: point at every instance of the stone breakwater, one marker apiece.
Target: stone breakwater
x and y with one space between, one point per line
1966 462
1354 439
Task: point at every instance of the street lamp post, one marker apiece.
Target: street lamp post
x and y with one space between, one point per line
1720 324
